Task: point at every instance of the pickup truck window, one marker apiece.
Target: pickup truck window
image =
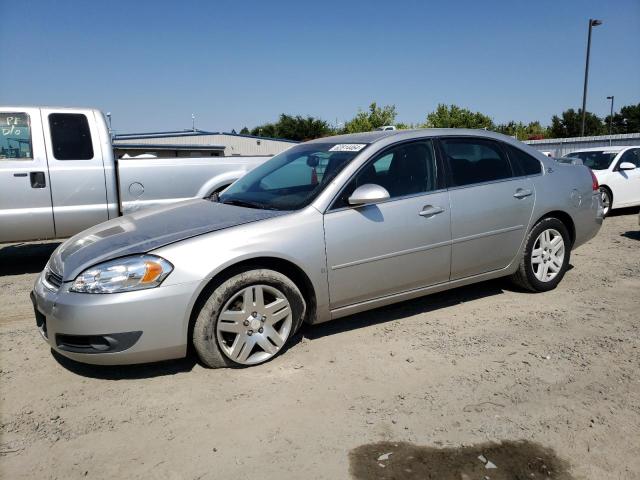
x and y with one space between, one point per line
15 136
70 136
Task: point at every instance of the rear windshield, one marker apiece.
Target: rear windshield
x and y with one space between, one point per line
292 179
596 160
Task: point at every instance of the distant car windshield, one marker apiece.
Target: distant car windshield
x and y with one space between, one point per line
292 179
595 160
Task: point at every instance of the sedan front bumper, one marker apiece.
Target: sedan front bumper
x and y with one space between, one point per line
114 329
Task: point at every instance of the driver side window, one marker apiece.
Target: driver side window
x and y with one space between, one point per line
405 169
632 156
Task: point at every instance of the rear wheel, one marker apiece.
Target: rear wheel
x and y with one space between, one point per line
607 200
248 319
545 257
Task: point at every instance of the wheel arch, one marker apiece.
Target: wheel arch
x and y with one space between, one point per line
565 218
280 265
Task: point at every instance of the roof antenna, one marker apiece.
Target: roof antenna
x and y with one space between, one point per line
193 122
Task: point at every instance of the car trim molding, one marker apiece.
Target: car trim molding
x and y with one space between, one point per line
426 247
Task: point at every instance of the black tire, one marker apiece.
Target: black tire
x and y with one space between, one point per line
205 338
525 276
606 192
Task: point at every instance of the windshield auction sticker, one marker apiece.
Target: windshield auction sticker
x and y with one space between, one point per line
348 147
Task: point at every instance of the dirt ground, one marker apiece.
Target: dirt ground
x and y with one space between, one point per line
474 366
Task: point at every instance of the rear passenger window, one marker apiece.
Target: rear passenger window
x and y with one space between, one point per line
70 136
474 160
523 163
15 136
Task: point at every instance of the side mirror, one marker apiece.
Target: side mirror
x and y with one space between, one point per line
627 166
368 193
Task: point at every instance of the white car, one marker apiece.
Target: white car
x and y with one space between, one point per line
618 172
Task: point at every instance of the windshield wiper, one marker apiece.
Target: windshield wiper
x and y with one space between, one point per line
243 203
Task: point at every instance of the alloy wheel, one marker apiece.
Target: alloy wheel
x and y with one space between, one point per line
547 255
606 201
254 324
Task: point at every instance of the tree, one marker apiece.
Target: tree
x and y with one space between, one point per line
374 118
452 116
245 131
626 121
294 128
531 131
570 124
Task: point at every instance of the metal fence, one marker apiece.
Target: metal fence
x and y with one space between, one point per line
558 147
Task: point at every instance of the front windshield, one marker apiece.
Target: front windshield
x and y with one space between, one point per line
293 178
595 160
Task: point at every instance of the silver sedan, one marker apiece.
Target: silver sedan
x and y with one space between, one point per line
326 229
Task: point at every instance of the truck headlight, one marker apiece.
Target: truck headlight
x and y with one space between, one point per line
123 275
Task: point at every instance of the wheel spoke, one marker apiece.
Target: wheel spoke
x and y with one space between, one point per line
233 316
536 260
266 345
275 306
545 271
274 336
258 295
230 327
247 300
275 318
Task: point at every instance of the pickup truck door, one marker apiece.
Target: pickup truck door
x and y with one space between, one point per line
76 170
25 195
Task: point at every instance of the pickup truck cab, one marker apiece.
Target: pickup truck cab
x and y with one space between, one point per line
59 175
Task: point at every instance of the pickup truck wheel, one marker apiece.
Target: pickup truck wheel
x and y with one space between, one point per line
546 256
248 319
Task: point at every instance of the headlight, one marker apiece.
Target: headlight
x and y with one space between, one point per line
123 275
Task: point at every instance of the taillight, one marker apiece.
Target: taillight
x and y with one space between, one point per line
594 181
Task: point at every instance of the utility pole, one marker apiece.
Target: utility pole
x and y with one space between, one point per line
592 23
611 118
193 122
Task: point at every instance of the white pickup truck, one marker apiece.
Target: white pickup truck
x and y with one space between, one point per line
59 176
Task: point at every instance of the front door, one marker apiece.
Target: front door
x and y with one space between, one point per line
25 194
626 183
396 245
76 168
490 206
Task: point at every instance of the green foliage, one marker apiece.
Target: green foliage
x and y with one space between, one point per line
452 116
374 118
245 131
294 128
626 121
521 131
570 124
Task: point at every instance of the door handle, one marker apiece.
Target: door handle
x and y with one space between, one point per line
37 179
430 211
521 193
19 174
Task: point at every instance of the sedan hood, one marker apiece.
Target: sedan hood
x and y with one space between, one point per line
147 230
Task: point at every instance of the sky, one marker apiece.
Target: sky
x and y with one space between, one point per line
242 63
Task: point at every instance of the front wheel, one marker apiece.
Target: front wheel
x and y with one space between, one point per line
606 195
545 257
248 319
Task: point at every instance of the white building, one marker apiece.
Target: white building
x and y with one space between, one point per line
197 143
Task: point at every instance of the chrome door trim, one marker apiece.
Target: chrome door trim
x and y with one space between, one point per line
390 255
487 234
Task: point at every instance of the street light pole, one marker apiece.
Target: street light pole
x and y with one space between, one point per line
592 23
611 118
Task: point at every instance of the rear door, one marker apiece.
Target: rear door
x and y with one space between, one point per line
76 170
25 194
491 205
626 183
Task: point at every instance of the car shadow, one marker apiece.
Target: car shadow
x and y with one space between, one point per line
633 235
620 212
127 372
21 258
409 308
